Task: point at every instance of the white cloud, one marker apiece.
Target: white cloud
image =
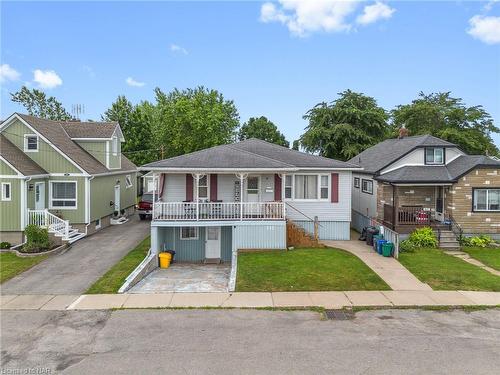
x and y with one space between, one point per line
177 48
47 79
375 12
7 73
485 28
132 82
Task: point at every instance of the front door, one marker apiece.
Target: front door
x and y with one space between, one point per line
212 243
439 204
40 196
117 198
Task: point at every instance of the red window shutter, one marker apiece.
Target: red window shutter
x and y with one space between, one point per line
189 187
335 188
277 188
213 187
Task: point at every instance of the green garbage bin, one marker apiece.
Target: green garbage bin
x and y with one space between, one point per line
387 249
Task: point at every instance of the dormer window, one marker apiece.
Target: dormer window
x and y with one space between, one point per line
30 143
434 155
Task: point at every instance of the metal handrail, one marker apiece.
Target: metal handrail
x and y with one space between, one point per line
303 214
455 228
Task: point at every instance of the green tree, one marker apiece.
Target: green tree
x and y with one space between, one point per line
296 145
135 124
262 128
448 118
193 119
39 105
345 127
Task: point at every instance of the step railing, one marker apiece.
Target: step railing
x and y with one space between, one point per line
45 219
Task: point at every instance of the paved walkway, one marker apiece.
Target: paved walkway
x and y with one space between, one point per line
328 300
74 271
466 257
388 268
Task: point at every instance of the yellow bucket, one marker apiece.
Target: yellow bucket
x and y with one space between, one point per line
165 259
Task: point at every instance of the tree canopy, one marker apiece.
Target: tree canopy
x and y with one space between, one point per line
39 105
262 128
448 118
345 127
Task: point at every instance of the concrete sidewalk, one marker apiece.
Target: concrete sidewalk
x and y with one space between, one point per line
329 300
388 268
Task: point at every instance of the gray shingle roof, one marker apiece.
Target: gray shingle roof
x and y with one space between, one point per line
249 154
439 174
77 129
19 159
384 153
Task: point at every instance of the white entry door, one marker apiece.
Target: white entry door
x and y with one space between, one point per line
212 243
117 198
39 195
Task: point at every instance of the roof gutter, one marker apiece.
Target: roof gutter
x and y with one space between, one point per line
114 173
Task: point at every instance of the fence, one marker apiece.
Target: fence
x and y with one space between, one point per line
359 221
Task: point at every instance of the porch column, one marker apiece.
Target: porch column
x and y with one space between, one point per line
241 177
154 198
395 206
154 241
283 177
197 177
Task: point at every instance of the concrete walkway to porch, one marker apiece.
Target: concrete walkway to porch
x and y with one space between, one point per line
466 257
389 269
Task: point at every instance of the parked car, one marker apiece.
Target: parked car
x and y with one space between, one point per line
145 206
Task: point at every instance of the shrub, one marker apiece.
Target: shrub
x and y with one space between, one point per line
37 239
423 237
5 245
407 246
477 241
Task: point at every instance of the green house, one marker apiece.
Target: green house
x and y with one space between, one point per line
70 177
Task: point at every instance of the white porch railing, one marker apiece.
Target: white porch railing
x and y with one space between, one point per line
214 211
54 224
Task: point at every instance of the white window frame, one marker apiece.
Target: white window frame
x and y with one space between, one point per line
357 182
26 136
114 145
98 223
434 156
474 204
128 181
196 234
75 207
202 186
318 187
288 186
4 196
328 183
370 183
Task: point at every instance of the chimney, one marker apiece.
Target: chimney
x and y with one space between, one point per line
403 132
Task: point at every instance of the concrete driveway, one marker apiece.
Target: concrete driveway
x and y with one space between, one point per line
74 271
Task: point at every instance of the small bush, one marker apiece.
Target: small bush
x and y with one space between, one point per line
423 237
37 239
5 245
407 246
477 241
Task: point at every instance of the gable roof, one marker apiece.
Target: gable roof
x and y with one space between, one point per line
77 129
381 155
55 132
18 159
249 154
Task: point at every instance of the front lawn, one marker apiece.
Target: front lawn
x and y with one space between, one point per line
311 269
112 280
446 272
12 265
490 256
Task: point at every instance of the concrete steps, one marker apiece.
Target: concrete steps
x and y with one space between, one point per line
448 240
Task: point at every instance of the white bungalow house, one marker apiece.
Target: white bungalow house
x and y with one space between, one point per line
239 196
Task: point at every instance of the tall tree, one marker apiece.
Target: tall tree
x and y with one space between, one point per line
262 128
193 119
296 145
448 118
39 105
345 127
135 124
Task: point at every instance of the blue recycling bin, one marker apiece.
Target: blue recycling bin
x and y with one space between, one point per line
380 243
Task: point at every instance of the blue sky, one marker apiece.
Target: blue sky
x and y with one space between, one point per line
276 60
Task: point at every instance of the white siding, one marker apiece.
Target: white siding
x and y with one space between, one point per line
225 187
416 157
175 188
452 153
364 203
266 236
326 210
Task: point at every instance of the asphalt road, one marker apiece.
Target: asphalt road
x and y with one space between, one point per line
250 342
74 271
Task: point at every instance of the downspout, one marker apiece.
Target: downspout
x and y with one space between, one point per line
87 206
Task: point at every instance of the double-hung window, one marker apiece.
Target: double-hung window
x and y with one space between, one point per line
367 186
323 187
30 143
486 199
6 191
306 186
356 182
189 233
288 186
128 181
203 187
63 194
434 155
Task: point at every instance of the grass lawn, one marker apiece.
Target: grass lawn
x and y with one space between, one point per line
304 270
12 265
490 256
446 272
112 280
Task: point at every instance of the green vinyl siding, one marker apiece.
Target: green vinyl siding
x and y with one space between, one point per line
75 216
10 211
95 148
102 193
5 169
47 157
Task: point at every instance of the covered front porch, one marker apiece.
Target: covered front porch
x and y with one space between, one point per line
407 207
